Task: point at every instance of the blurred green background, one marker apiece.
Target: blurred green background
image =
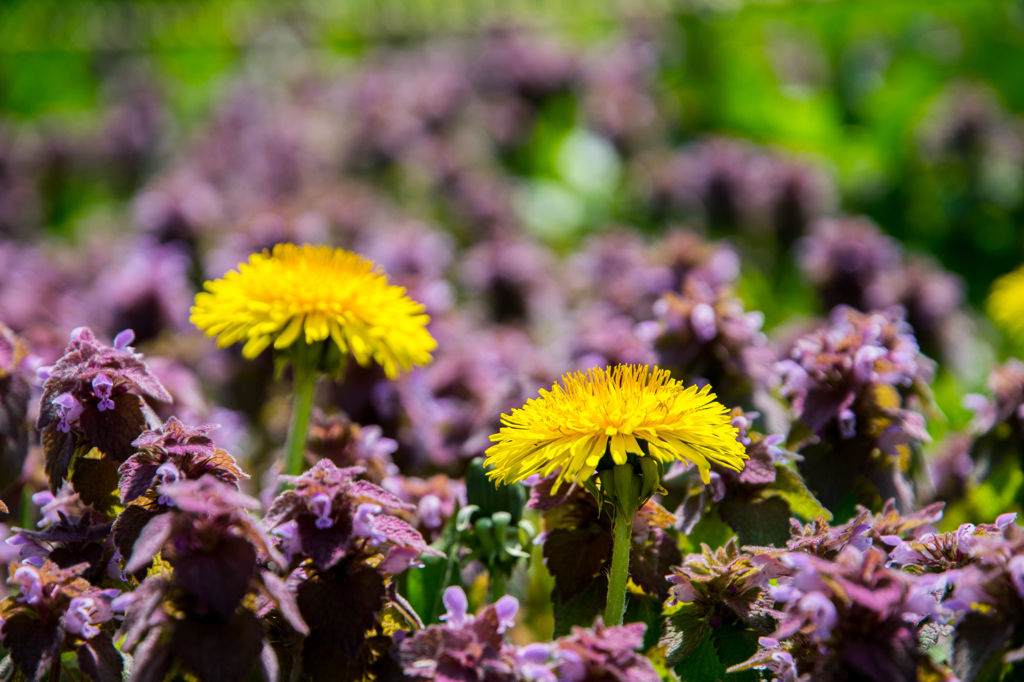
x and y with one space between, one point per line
851 82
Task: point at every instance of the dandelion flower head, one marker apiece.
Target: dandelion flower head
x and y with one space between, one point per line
614 410
1005 303
317 292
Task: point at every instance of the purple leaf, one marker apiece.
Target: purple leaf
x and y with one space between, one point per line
575 556
325 546
286 601
363 491
114 430
128 526
652 561
150 541
58 449
215 649
342 612
32 642
219 577
100 660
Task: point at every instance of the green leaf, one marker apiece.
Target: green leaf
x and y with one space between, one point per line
758 522
683 630
703 664
583 608
736 643
975 643
790 486
710 530
424 586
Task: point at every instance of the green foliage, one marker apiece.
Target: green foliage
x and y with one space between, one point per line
715 652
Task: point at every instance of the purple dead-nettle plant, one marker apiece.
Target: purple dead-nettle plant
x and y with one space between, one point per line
70 534
998 424
465 647
171 453
708 337
987 594
617 271
718 588
602 654
207 581
452 406
342 544
599 337
858 386
435 500
844 258
94 397
348 444
58 611
688 255
850 614
932 298
757 503
16 366
330 516
939 552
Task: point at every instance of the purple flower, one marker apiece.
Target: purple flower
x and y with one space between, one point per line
70 411
399 559
30 550
31 587
124 339
101 387
83 613
819 610
571 667
506 608
320 505
429 510
457 607
364 523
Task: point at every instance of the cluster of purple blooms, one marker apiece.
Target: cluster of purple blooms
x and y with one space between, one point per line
149 556
468 647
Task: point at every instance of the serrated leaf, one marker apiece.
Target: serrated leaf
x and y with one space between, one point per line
575 556
95 481
736 643
112 431
703 664
790 486
682 631
976 639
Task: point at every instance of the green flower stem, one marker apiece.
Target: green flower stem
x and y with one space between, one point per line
626 494
295 446
497 584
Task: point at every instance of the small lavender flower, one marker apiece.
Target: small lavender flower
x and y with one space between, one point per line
101 387
456 606
466 646
69 411
364 523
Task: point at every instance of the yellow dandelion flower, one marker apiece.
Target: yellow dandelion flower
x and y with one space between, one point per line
321 292
573 425
1005 303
